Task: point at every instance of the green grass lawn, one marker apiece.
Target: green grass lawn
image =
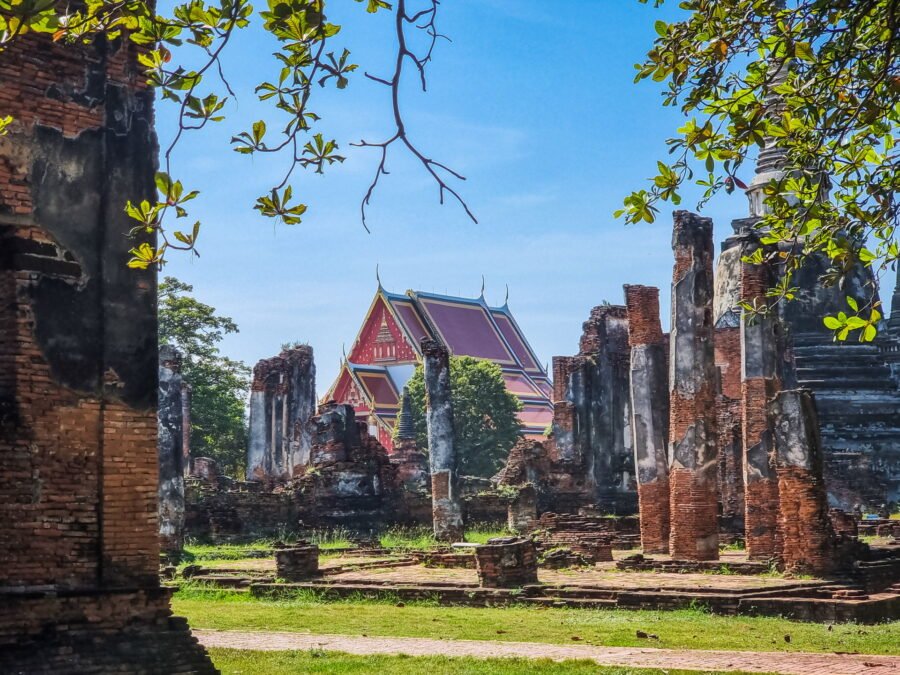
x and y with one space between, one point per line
681 629
237 662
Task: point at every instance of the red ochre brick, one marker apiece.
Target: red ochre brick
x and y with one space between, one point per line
653 499
77 475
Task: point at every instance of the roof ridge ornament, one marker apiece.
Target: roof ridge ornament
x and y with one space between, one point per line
506 299
378 277
482 287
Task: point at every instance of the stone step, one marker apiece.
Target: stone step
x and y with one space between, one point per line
847 349
848 384
850 369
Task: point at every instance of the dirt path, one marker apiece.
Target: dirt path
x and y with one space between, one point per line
751 662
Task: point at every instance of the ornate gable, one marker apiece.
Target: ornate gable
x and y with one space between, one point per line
381 340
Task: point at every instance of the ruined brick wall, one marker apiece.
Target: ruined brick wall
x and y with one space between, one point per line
78 371
282 401
591 446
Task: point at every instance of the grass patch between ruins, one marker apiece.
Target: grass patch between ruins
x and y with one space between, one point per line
422 538
238 662
677 629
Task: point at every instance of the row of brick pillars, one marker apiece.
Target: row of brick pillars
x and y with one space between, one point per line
785 503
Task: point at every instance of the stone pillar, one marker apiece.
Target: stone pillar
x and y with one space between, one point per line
650 415
445 494
506 562
169 448
894 320
297 563
808 544
692 380
282 401
760 381
186 393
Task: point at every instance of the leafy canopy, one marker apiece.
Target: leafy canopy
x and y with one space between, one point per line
197 32
820 79
219 385
484 414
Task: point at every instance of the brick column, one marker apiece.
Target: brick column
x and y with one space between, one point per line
692 381
445 493
808 543
650 415
760 381
79 468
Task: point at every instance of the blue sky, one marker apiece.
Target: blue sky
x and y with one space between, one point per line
533 101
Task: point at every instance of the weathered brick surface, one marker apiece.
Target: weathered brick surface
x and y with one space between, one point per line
654 510
692 403
650 415
694 514
807 540
79 590
297 563
728 361
731 466
506 563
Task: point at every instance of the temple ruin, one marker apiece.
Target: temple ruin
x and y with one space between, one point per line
282 402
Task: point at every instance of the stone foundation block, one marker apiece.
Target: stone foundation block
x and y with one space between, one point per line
298 563
507 562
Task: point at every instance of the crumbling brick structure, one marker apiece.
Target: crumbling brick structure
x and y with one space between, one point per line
808 542
171 455
692 426
650 415
297 563
445 492
349 480
282 401
591 444
760 381
506 562
79 586
589 536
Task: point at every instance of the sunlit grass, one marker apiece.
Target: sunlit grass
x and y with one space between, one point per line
421 538
318 662
677 629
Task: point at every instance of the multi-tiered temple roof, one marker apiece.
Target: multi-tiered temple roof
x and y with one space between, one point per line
386 351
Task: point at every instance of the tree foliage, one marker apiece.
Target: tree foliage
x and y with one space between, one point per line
219 385
198 32
820 81
484 414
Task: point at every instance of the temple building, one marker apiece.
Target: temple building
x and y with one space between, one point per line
386 352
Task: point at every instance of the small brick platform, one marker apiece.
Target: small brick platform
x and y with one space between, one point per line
297 563
507 562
